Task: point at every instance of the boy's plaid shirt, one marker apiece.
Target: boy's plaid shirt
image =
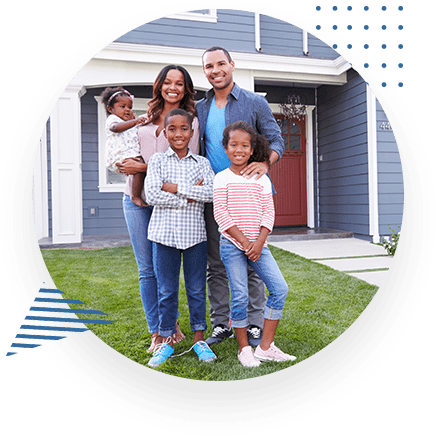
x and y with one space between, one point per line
175 222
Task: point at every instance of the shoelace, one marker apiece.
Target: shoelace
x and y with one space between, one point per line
201 344
158 348
218 330
255 331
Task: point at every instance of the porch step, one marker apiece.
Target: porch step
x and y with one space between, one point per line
306 234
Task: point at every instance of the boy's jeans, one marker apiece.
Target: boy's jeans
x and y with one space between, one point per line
266 267
167 261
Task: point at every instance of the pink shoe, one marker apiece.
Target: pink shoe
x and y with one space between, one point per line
246 357
272 354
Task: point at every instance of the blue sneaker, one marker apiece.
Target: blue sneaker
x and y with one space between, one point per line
162 352
203 351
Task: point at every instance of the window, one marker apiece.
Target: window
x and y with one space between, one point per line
208 15
290 133
109 181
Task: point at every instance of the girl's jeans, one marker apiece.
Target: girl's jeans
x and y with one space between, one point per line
137 219
167 261
266 267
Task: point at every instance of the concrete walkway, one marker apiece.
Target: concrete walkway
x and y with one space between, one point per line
353 256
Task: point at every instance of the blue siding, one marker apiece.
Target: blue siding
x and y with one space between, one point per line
390 177
319 49
279 37
343 171
234 30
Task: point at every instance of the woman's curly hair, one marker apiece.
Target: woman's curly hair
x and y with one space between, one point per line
259 144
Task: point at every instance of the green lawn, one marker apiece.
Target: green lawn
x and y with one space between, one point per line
322 303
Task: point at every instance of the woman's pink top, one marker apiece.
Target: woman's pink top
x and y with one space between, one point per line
149 144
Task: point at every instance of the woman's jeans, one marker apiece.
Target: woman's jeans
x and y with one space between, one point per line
167 262
266 267
137 219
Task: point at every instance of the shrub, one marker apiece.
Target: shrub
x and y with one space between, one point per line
390 245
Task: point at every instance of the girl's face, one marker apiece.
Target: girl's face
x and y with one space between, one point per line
122 107
239 148
173 87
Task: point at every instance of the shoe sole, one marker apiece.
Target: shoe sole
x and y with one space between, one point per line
215 341
250 365
211 359
266 359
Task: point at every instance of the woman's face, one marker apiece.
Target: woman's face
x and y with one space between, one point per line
173 87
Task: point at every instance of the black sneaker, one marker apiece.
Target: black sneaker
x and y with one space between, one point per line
219 333
254 335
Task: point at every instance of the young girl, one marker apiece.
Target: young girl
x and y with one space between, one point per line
244 211
122 140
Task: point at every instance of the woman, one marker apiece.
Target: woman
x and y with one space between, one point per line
173 88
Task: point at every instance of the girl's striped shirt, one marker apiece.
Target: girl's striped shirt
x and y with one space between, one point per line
246 203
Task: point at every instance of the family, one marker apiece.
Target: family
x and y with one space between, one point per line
198 189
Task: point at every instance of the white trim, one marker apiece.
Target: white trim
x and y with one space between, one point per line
264 66
66 167
310 190
372 165
309 168
103 185
210 17
40 189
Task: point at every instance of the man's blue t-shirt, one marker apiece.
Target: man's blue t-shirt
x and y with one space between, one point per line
216 122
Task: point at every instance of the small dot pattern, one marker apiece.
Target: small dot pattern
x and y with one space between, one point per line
383 11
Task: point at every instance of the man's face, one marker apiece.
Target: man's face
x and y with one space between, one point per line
218 69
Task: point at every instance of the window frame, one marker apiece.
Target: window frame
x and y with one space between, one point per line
210 17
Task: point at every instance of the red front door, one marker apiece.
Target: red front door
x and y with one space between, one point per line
289 175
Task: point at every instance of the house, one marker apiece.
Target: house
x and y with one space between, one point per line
341 169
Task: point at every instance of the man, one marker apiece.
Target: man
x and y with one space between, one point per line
224 104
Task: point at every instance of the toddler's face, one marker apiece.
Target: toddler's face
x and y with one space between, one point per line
122 108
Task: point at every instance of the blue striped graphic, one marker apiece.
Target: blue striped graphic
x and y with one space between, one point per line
49 320
52 309
50 338
57 329
82 321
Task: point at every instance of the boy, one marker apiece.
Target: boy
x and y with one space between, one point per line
178 184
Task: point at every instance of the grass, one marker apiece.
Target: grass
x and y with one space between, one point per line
322 303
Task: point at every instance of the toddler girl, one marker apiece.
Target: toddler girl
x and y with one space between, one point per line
244 211
122 140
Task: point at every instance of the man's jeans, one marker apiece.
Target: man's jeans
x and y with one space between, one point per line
218 284
266 267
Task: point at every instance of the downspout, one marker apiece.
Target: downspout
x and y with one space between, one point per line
257 32
305 43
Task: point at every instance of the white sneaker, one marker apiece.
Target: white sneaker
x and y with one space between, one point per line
246 357
272 354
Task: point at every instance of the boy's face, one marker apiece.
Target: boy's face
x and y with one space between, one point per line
178 132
